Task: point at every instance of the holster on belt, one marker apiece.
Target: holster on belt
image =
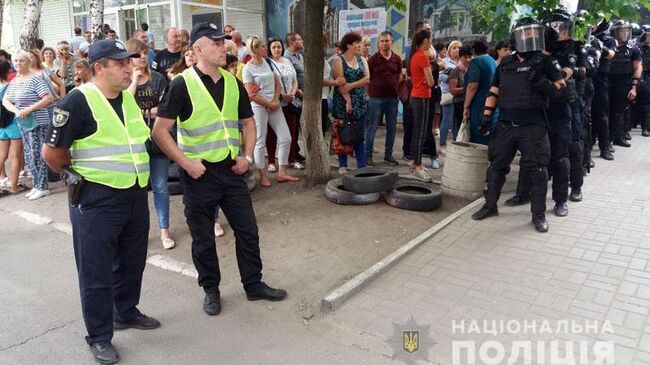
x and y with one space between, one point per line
75 182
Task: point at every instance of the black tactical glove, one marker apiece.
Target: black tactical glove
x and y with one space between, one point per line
485 125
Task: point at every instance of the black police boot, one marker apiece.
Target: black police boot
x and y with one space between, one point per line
611 147
485 212
626 136
592 164
576 195
212 303
607 155
265 292
516 201
622 142
645 133
539 220
104 352
561 209
141 322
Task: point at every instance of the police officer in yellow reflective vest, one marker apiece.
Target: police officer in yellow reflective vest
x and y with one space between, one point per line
207 102
99 136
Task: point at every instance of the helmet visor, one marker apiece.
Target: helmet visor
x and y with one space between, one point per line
622 34
529 38
562 28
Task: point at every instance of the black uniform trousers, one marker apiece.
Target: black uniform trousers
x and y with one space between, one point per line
643 100
576 148
600 111
220 187
533 143
559 134
110 230
587 128
619 105
407 124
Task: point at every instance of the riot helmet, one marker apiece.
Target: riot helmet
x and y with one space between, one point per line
559 25
602 28
646 31
621 31
527 35
637 32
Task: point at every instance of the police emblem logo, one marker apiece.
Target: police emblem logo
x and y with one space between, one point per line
557 66
119 45
213 26
572 59
411 341
60 117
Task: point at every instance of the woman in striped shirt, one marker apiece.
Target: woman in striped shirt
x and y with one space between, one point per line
28 97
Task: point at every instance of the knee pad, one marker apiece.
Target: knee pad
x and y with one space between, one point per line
538 176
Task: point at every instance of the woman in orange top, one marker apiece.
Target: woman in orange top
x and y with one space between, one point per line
422 78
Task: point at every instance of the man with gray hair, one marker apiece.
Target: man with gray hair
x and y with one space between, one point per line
170 55
241 47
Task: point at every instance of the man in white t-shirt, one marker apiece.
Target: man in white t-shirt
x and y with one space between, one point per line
76 41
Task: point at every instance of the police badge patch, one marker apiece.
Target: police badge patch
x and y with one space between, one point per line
557 66
60 117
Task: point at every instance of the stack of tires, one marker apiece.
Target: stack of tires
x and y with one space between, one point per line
367 185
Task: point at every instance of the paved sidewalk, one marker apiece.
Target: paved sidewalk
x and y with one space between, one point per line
591 266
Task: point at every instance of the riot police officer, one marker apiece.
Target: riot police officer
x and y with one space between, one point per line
559 28
98 136
604 44
625 75
643 96
522 85
592 57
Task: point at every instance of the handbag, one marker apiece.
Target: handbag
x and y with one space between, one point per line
6 117
446 99
404 89
336 147
28 124
464 133
350 131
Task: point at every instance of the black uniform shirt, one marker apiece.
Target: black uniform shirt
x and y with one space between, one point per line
626 80
176 102
551 69
74 119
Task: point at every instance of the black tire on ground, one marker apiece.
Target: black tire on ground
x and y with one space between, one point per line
336 193
414 195
174 173
174 188
370 180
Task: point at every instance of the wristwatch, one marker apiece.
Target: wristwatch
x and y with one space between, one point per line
249 159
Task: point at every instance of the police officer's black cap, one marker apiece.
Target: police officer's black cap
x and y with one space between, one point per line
206 29
109 48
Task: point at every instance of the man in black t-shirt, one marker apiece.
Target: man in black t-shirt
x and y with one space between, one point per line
170 55
210 181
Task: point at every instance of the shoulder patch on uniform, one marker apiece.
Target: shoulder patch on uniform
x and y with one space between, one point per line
60 117
557 65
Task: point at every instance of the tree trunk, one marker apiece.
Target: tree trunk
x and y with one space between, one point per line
317 158
2 12
97 19
29 32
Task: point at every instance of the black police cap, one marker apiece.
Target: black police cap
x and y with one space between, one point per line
206 29
109 48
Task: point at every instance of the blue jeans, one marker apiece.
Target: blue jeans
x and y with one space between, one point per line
446 123
359 149
159 171
380 107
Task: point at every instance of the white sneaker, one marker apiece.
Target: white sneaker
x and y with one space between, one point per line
298 166
5 183
421 174
218 230
31 192
435 164
39 194
168 243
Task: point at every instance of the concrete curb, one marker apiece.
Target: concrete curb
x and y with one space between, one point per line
338 296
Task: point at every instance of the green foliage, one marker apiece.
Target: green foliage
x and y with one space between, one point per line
494 16
397 4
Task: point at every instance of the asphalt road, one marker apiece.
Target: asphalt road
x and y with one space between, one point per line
41 323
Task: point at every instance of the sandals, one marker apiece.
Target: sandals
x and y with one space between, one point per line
271 168
287 178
